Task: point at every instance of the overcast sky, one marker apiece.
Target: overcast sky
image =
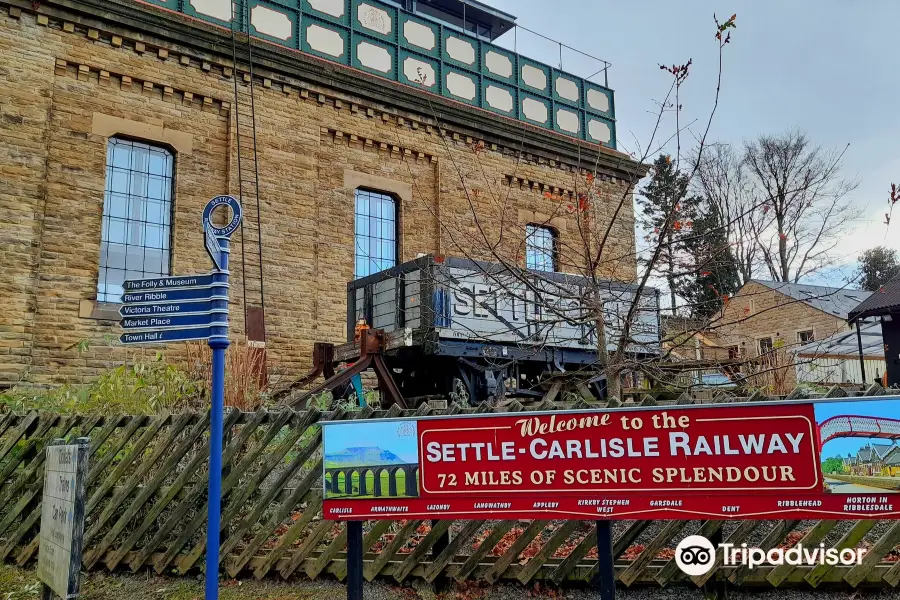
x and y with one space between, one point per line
828 67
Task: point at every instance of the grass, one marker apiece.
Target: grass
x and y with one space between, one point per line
22 584
370 485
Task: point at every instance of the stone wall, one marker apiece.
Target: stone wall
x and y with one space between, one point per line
68 83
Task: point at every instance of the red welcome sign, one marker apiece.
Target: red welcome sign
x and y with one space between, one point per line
706 450
721 461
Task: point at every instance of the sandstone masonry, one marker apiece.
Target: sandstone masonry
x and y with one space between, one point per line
69 80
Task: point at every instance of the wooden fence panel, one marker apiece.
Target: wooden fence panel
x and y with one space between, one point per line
147 491
147 504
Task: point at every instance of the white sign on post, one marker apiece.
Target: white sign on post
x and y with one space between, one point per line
62 517
212 246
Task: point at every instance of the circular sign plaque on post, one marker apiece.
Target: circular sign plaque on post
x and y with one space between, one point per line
236 215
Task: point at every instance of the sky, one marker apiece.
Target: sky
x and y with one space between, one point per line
372 434
843 446
829 68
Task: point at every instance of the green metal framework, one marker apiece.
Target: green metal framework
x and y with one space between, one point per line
386 41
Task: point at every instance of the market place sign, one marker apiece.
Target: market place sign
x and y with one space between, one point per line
796 460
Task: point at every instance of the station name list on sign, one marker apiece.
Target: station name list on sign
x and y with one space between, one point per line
765 460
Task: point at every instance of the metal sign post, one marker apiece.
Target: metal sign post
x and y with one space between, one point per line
605 581
354 560
193 307
217 239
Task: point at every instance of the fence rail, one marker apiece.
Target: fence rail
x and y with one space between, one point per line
146 508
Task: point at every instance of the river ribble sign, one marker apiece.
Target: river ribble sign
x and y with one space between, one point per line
786 460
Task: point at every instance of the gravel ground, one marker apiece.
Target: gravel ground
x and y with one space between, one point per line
19 584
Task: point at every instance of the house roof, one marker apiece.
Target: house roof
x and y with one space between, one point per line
893 458
865 454
882 302
834 301
845 343
882 450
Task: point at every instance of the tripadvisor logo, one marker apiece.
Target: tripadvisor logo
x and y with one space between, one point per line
696 556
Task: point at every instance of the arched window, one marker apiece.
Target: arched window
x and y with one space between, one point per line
541 248
135 242
375 229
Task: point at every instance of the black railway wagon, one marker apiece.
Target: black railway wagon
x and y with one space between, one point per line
479 331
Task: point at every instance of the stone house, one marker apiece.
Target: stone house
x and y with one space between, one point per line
766 322
694 353
877 460
892 463
690 340
863 465
372 128
848 464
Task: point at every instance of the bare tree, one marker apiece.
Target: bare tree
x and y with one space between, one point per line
804 201
595 257
723 182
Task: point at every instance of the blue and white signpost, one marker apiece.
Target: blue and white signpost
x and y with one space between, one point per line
193 307
219 242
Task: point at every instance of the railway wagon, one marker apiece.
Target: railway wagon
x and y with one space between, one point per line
476 331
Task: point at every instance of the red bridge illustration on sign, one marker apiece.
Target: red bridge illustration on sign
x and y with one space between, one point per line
856 426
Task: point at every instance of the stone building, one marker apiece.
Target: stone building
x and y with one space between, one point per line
878 460
770 321
369 124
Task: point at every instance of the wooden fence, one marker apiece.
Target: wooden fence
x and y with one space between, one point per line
146 508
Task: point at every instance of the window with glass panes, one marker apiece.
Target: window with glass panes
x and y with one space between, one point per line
375 232
137 215
540 248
